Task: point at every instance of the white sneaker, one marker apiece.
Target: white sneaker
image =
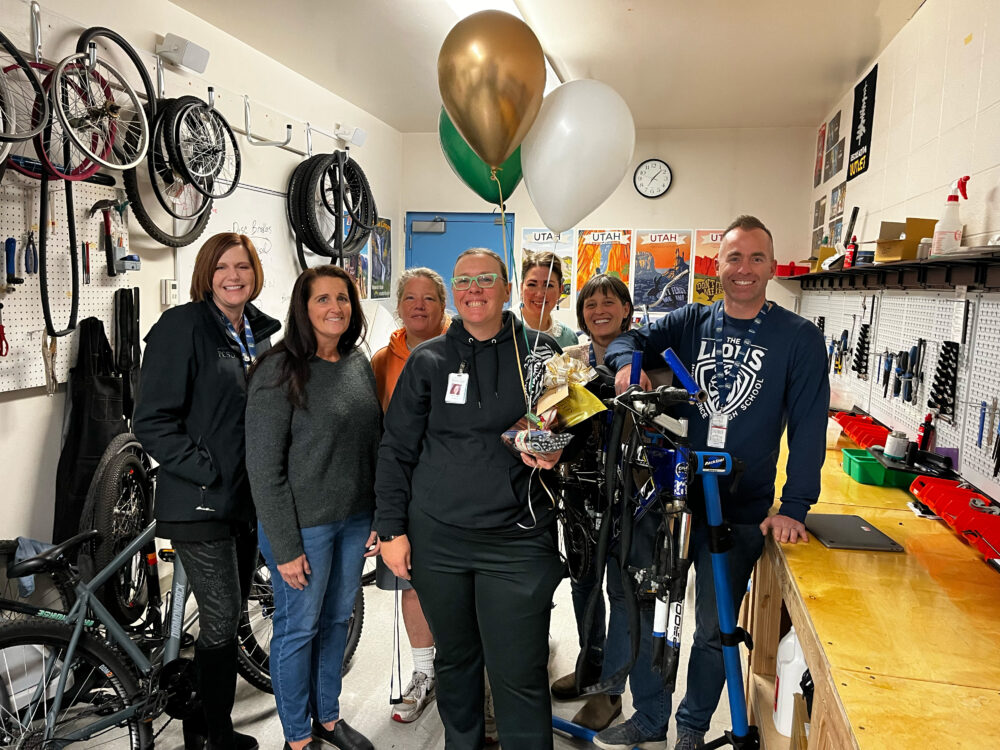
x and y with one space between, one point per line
417 695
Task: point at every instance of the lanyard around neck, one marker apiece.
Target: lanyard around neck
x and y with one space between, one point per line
248 351
725 377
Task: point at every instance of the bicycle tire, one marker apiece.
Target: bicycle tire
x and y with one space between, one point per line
60 596
141 209
122 510
98 114
169 187
368 572
317 211
253 634
88 35
36 93
202 156
98 683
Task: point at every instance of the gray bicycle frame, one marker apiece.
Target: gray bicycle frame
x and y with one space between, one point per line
76 617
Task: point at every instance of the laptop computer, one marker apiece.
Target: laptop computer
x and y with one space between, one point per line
849 532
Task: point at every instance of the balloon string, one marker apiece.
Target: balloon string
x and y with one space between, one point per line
503 216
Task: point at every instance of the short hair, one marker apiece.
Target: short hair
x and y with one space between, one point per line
489 253
748 223
208 258
543 259
421 273
605 284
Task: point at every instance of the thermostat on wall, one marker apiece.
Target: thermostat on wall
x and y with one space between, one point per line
168 292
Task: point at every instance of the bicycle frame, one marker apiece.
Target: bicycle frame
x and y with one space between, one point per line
86 598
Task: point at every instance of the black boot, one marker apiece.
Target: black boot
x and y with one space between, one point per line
217 690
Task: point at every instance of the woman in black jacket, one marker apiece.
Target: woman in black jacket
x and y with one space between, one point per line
469 522
189 416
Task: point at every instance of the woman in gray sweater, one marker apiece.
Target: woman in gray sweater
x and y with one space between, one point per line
313 425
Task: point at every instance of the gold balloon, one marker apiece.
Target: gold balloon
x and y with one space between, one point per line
491 72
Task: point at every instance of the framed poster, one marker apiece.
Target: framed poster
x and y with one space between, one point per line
707 287
545 240
603 251
381 258
662 269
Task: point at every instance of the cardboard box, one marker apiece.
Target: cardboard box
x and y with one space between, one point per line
824 252
898 241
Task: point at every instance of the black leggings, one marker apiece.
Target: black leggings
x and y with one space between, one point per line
488 598
219 573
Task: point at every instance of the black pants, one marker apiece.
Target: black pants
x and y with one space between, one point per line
219 573
488 598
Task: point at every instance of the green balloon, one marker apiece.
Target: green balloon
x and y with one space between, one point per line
472 170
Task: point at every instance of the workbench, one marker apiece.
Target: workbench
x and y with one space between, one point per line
903 648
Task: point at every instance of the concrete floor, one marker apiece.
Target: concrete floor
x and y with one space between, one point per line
365 697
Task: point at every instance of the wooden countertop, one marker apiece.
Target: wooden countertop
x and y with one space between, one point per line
911 640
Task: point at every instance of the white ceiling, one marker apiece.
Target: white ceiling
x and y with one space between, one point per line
678 63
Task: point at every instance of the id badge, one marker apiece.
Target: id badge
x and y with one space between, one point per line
717 426
458 386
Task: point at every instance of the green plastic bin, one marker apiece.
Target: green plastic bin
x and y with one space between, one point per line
863 467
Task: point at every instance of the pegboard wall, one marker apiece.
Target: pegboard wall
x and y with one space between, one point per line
23 320
898 320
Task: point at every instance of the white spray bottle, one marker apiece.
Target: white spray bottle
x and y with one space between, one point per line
948 230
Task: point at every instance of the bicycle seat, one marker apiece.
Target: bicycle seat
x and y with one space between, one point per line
51 560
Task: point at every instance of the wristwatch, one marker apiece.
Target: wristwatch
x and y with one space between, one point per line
387 537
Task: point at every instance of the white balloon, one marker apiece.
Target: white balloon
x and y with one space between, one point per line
577 151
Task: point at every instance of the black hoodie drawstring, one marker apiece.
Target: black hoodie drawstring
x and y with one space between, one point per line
496 370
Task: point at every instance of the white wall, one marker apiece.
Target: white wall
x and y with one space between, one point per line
937 117
30 421
717 175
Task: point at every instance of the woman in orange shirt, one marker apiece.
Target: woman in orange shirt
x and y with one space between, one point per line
420 302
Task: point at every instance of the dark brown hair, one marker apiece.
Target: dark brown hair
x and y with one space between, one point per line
543 259
748 223
208 258
603 284
299 343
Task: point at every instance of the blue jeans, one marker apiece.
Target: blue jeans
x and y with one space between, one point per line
310 626
706 673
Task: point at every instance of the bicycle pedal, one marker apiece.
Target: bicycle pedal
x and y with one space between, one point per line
167 554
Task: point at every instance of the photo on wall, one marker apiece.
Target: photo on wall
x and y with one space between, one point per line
707 287
838 156
833 131
603 251
836 229
819 212
817 239
381 257
820 149
662 269
837 196
829 164
358 267
545 240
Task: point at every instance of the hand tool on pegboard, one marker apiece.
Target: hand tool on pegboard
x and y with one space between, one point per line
860 363
4 346
902 362
993 416
105 207
10 251
30 255
49 361
886 373
942 396
982 424
910 373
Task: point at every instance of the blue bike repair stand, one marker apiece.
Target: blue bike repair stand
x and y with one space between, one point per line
711 465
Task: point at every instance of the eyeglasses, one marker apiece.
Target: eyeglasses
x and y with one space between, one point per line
483 281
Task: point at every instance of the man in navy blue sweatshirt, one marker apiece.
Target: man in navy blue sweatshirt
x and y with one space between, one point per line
764 369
